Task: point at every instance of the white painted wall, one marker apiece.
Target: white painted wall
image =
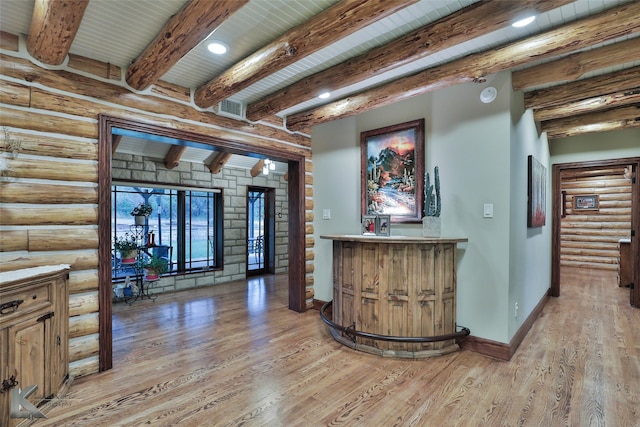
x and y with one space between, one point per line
336 186
470 141
596 146
530 248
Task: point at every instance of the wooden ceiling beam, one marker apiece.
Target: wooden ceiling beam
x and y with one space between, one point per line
624 80
583 106
116 140
182 32
172 158
54 25
607 25
9 41
574 66
329 26
613 119
218 162
257 168
463 25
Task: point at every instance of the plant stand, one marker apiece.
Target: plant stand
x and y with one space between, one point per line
139 287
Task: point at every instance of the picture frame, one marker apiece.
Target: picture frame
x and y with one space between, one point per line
586 202
383 225
537 193
368 227
392 170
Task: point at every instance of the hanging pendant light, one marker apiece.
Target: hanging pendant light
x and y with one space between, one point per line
268 165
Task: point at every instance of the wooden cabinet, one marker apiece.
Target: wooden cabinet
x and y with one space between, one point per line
624 263
395 286
34 325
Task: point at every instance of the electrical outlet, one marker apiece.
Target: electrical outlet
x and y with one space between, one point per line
516 311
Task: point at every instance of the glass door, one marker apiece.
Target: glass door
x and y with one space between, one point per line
260 226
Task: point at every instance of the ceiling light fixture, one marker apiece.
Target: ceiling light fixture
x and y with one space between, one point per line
324 95
268 165
217 48
523 22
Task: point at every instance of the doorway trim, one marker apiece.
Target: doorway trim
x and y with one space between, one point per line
296 207
557 212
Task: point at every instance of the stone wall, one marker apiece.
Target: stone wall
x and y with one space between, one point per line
234 182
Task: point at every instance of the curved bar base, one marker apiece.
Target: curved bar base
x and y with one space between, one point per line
349 337
420 354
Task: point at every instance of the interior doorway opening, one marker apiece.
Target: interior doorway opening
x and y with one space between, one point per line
295 206
596 206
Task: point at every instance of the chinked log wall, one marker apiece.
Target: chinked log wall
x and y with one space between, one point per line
589 238
48 202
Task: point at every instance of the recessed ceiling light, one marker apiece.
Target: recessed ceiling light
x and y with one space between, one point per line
523 22
218 48
324 95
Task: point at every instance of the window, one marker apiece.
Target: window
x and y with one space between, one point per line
185 225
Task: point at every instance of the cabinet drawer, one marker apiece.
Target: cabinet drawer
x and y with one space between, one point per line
18 301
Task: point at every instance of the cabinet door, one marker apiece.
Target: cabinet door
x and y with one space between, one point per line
4 375
28 345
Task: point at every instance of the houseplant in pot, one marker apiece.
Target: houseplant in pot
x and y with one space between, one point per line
431 223
154 267
141 212
128 248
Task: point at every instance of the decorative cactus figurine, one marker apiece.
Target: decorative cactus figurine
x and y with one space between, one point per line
432 204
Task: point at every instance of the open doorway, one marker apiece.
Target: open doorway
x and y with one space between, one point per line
260 231
596 207
295 206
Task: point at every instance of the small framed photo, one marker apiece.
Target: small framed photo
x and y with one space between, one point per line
383 225
369 225
589 202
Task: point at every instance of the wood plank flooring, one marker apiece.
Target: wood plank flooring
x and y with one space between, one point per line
234 355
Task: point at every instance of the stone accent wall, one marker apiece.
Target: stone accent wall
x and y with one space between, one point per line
234 182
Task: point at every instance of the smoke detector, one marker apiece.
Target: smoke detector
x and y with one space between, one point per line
488 94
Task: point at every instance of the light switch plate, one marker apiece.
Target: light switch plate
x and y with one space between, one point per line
487 211
326 213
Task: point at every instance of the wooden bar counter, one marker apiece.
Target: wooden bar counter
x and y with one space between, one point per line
395 286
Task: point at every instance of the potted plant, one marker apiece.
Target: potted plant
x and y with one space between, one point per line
154 267
141 212
128 248
432 206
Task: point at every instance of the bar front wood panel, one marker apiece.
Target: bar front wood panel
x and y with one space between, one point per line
396 288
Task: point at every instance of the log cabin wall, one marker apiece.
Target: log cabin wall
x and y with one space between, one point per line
49 198
589 237
234 182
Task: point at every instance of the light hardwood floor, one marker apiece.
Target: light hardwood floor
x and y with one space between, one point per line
235 355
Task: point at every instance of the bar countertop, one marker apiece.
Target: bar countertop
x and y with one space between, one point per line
392 239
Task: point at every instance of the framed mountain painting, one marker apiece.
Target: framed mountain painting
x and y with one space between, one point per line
392 171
